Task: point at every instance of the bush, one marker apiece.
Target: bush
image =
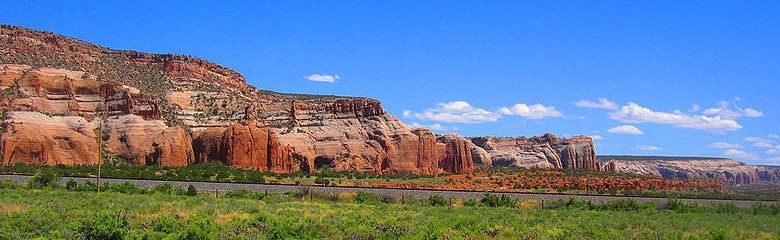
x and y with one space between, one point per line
104 227
436 200
72 185
471 203
760 208
197 228
165 188
44 178
321 180
191 191
125 187
496 201
729 208
363 197
7 184
680 206
165 224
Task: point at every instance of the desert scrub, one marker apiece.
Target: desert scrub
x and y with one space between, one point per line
158 214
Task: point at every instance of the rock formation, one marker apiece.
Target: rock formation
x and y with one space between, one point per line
728 171
147 104
42 144
546 151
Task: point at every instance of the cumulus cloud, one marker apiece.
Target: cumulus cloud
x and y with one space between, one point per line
760 142
596 137
603 103
633 113
739 154
648 148
536 111
626 129
456 112
464 112
763 144
433 127
323 78
724 111
725 145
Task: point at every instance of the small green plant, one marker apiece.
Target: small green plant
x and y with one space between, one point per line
471 202
363 197
492 200
44 178
104 227
72 185
436 200
191 191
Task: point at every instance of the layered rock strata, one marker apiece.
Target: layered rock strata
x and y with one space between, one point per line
547 151
172 110
728 171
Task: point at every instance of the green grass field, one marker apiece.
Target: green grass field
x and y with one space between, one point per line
125 212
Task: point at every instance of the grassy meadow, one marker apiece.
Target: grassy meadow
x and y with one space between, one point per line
74 211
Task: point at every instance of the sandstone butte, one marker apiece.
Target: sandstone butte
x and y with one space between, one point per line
59 95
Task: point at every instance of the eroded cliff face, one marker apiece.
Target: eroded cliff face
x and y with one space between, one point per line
728 171
150 102
546 151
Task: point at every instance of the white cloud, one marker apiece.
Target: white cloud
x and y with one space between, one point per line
603 104
738 154
725 145
773 136
724 111
535 111
407 113
433 127
760 142
596 137
648 148
323 78
626 129
694 108
457 112
773 151
763 144
633 113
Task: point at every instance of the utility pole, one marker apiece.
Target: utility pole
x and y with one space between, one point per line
101 114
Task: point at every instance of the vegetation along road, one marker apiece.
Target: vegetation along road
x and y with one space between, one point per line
413 193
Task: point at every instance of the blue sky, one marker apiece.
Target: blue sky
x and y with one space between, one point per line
696 78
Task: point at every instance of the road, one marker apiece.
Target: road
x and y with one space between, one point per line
415 193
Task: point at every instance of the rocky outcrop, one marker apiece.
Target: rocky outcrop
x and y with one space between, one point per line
546 151
769 173
247 146
728 171
147 142
37 139
42 144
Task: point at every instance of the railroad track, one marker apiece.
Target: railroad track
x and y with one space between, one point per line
392 192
